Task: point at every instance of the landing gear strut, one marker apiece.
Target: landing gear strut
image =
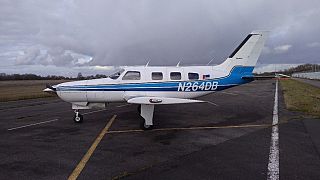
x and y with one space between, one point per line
78 118
139 109
146 111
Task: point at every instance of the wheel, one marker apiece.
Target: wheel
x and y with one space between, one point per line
78 119
145 127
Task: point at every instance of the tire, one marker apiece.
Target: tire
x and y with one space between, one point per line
78 119
145 127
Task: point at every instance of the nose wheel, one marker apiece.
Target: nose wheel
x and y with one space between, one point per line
78 118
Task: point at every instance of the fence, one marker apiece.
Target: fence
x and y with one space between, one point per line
308 75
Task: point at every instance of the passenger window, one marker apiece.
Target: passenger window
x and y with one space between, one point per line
157 76
131 75
175 75
193 76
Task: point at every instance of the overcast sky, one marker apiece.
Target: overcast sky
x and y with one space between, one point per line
65 37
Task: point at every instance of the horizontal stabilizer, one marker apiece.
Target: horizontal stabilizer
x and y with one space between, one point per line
277 75
161 100
251 78
247 77
282 75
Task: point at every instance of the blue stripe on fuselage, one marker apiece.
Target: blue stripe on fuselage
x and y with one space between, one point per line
233 79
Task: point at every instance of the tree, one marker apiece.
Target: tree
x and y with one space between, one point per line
80 76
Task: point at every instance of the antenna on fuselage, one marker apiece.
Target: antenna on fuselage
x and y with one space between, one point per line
147 64
210 61
178 64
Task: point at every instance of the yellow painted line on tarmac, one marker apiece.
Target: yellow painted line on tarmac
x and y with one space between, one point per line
76 172
193 128
123 105
126 131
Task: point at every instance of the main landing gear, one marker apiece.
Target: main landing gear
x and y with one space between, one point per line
78 118
143 126
146 111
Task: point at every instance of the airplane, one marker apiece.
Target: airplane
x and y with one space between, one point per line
282 75
148 86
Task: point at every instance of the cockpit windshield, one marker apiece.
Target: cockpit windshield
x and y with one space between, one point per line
116 74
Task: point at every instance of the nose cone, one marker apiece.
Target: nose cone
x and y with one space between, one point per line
73 91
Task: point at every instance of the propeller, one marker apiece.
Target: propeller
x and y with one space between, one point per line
50 89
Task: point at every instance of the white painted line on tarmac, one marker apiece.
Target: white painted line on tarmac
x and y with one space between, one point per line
273 165
212 103
43 122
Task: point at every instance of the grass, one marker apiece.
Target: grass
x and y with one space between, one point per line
302 97
25 89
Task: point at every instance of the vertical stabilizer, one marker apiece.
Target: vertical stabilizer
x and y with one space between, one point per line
248 52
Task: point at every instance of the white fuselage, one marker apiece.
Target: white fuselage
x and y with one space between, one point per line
93 94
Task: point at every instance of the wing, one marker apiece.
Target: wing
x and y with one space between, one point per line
252 78
161 100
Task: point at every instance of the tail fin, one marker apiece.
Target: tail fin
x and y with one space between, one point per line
248 52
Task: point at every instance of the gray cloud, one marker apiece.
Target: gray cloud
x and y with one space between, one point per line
282 49
313 44
30 56
52 56
120 32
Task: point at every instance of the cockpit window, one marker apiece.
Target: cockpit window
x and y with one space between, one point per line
116 74
131 75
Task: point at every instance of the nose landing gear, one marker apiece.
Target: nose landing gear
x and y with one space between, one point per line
78 118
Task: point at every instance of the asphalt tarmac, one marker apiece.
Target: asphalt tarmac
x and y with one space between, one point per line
39 139
315 83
